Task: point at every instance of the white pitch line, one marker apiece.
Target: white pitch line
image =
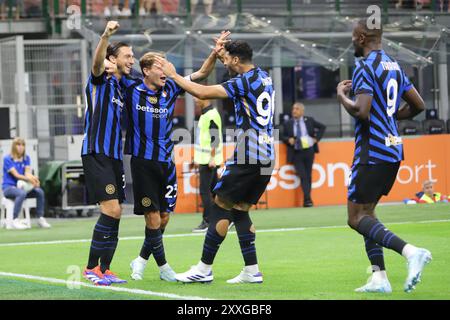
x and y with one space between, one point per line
183 235
88 285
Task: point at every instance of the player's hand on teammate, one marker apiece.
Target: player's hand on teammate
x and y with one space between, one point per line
110 67
343 88
167 67
221 41
111 28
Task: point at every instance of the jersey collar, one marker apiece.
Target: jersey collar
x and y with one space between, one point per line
144 88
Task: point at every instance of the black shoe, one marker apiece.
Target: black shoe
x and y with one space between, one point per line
308 204
202 227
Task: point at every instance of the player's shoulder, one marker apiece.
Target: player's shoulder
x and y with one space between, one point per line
8 158
171 86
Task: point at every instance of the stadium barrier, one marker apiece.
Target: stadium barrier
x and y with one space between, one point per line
426 157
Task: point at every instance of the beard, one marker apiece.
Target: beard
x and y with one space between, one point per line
359 52
231 72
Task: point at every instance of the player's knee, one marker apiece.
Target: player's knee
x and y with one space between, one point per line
112 209
222 227
243 223
153 220
116 211
164 220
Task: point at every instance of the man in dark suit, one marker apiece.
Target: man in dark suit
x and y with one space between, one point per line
301 135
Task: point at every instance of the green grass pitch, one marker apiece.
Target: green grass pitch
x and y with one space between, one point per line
308 263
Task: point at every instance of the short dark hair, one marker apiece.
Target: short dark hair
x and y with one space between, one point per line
113 49
241 49
374 34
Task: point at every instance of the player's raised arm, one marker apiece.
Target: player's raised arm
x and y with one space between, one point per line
197 90
360 108
210 62
413 106
98 65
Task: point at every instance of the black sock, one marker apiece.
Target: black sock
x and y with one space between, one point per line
156 246
110 246
375 254
213 240
243 223
376 231
103 233
146 250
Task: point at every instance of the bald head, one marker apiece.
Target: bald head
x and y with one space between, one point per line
298 110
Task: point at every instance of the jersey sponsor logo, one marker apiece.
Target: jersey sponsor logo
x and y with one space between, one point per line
265 138
266 81
146 202
117 101
110 189
157 112
391 140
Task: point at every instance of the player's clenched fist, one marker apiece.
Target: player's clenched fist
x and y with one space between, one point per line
344 87
111 28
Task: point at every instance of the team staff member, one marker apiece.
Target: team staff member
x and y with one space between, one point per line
102 153
301 134
208 155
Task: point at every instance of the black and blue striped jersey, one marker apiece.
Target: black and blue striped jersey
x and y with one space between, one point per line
171 187
253 97
377 139
104 103
150 119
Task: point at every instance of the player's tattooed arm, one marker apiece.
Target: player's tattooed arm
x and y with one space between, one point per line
360 108
413 106
98 65
197 90
210 62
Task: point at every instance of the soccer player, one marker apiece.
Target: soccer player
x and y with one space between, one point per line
102 153
378 85
150 105
248 172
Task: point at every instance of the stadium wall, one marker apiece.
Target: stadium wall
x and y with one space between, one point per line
426 157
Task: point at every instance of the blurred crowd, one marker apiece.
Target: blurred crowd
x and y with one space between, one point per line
123 8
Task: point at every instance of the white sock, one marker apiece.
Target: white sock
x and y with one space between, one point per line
141 260
379 275
204 268
408 251
253 269
164 267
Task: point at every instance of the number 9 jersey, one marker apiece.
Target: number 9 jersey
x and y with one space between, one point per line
253 96
377 139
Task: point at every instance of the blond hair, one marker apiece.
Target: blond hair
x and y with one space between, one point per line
148 59
14 153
